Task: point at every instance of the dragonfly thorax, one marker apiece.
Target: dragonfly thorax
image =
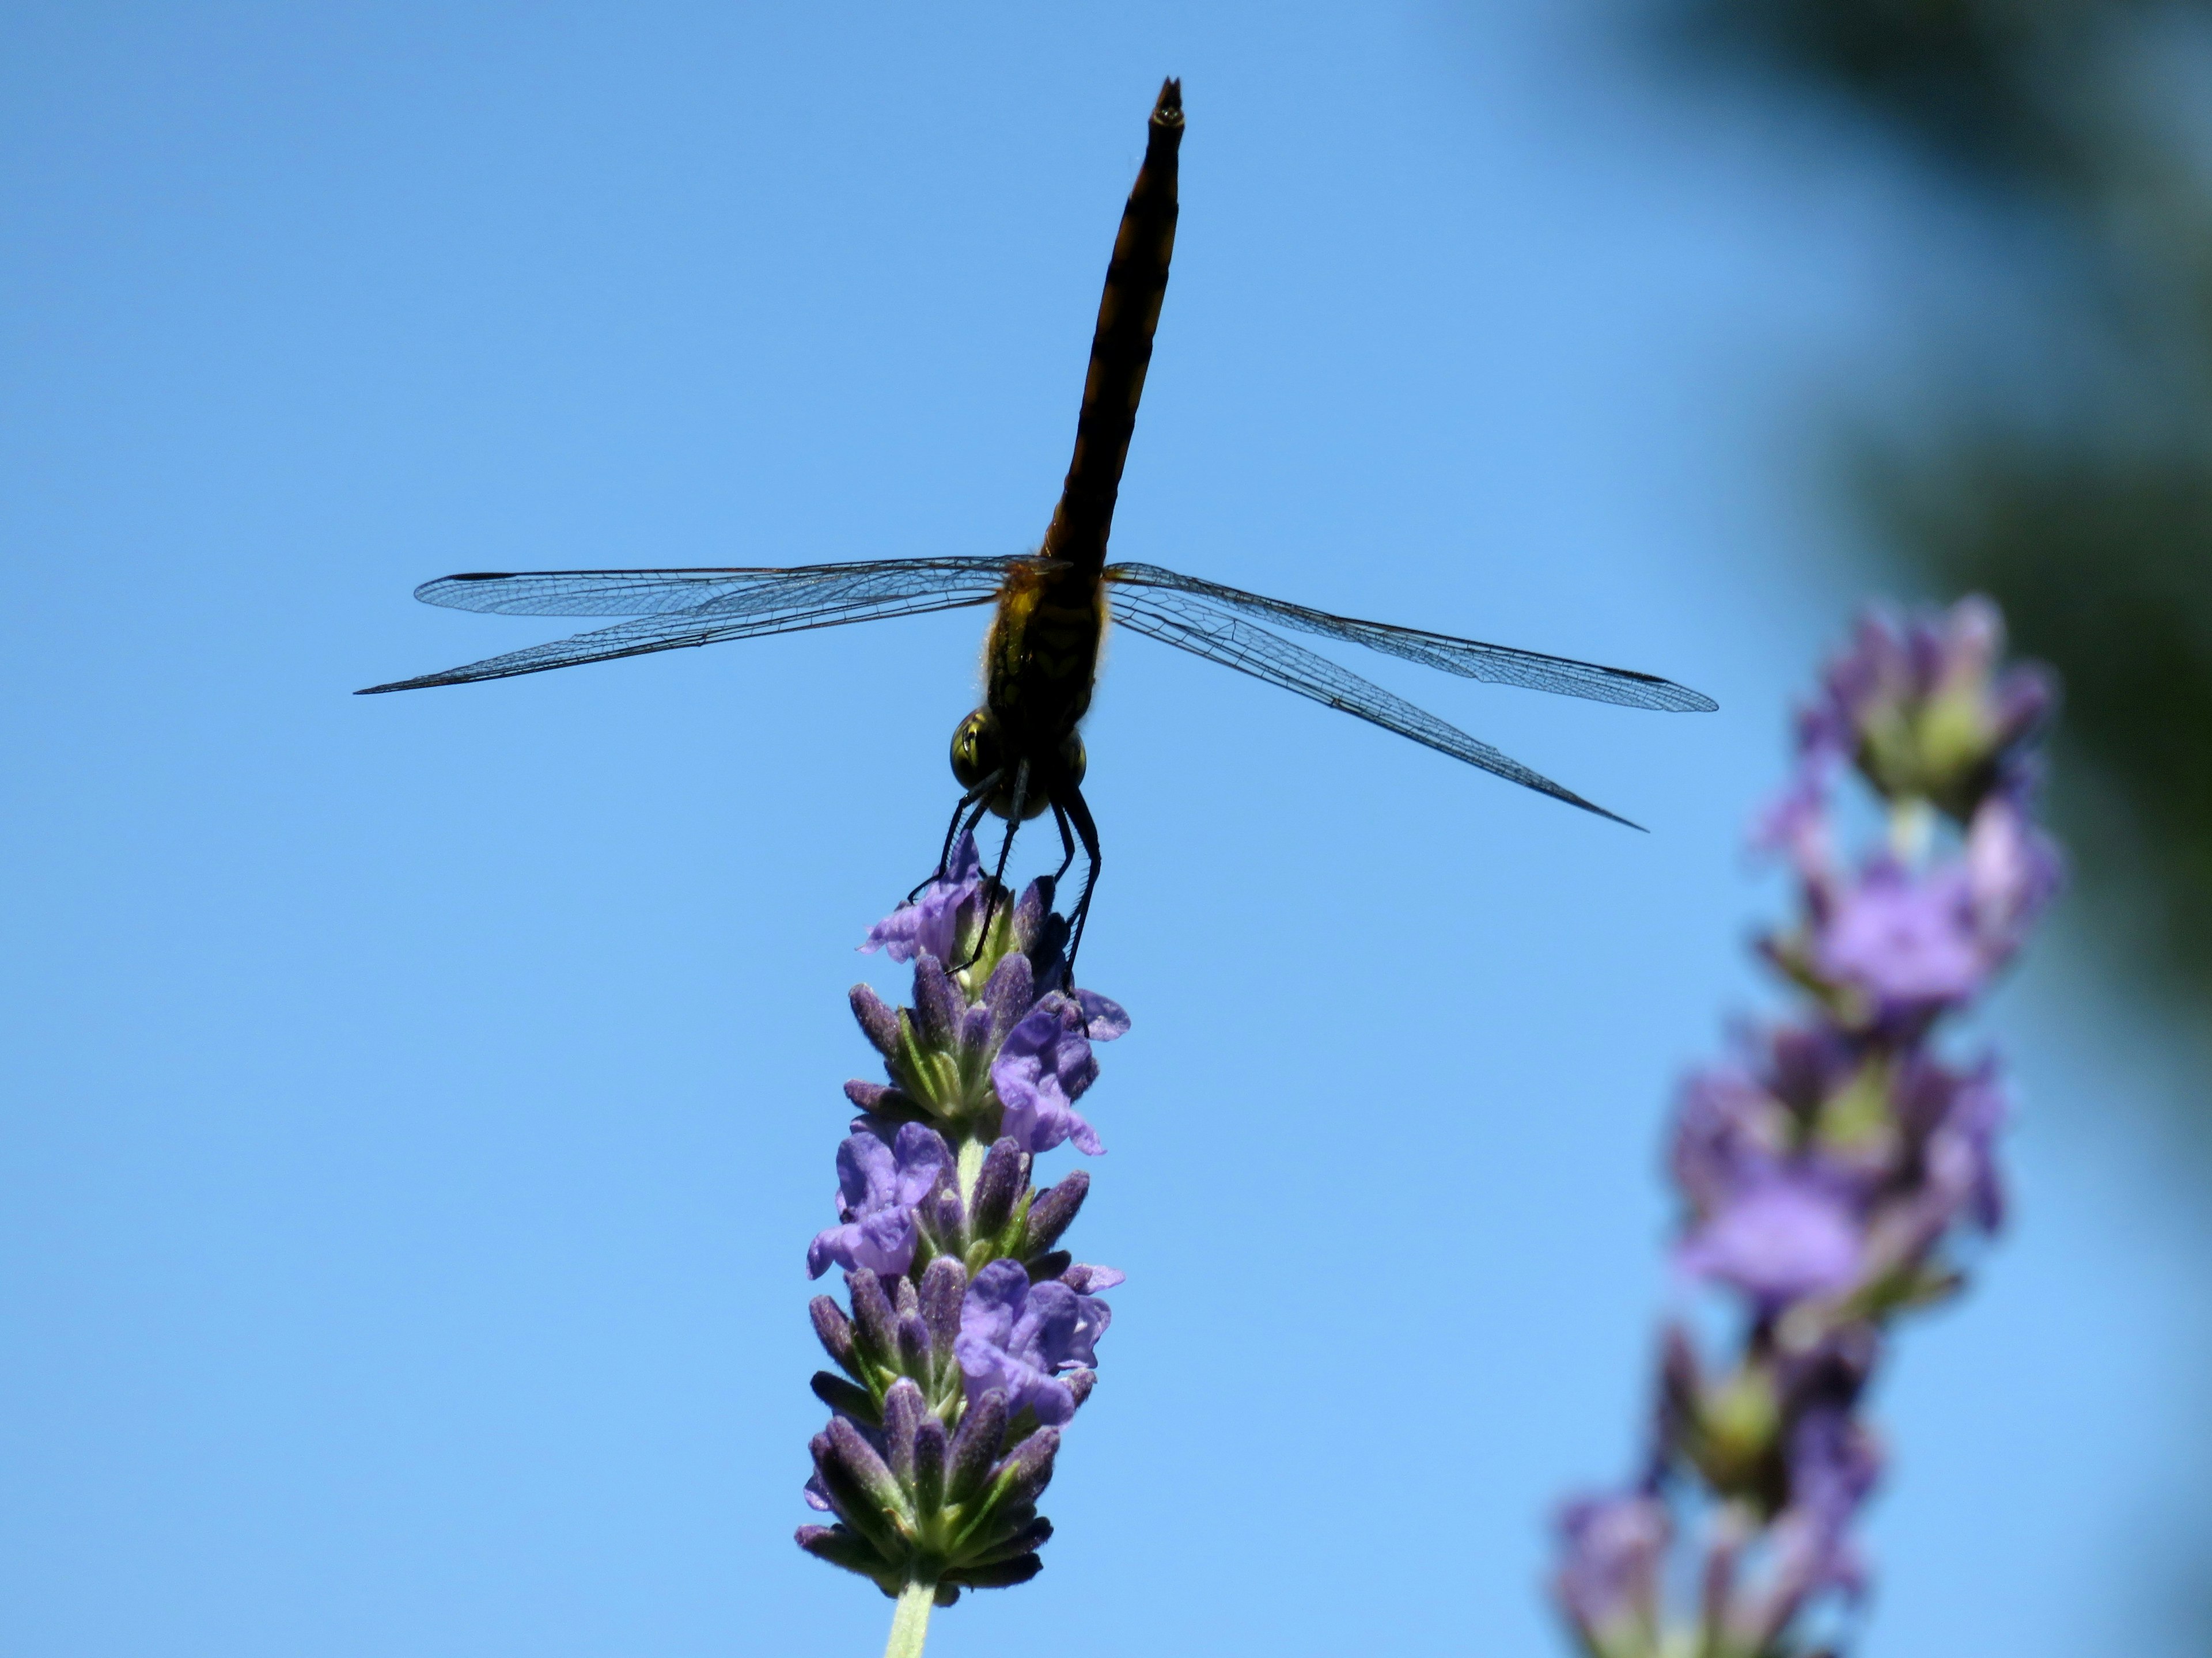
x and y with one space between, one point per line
980 752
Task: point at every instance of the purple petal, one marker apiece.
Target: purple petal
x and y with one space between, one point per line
1103 1018
1087 1279
1782 1241
930 926
1015 1337
1907 941
1042 1067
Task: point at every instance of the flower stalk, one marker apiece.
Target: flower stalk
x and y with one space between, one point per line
968 1337
1832 1172
910 1621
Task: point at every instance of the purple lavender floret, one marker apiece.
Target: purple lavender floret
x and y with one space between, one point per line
880 1190
1019 1338
932 924
973 1336
1786 1237
1829 1169
1043 1067
1905 940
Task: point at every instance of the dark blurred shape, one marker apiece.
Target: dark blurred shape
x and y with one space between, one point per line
1979 81
2076 486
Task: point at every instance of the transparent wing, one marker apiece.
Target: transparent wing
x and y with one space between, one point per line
1198 625
664 592
1498 663
723 604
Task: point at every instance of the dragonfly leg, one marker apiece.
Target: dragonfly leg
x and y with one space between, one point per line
977 798
1067 842
1086 829
1005 850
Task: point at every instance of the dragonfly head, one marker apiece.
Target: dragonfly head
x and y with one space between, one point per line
980 750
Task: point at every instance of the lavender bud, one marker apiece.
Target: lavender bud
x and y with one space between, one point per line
840 1394
850 1455
879 1023
850 1494
1080 1382
996 1187
930 1447
914 1345
975 1029
1055 1209
944 1290
1009 995
1031 1532
1006 1575
841 1545
1023 1476
938 1004
905 1300
991 1528
948 1222
1050 1266
834 1332
1036 903
976 1446
903 1410
874 1328
1046 952
868 1097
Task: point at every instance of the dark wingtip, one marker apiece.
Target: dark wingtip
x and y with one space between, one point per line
1596 811
423 593
1684 700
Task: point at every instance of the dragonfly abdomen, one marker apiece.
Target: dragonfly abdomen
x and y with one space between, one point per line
1120 347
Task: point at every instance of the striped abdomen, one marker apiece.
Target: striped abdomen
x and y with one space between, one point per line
1121 348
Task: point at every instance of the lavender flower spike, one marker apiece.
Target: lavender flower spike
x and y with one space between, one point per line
1827 1173
972 1340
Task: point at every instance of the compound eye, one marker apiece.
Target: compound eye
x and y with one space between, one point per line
974 749
1072 759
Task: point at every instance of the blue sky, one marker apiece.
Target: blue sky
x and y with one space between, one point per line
420 1105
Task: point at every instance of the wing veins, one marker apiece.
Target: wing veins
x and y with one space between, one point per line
665 633
1191 623
662 593
1471 658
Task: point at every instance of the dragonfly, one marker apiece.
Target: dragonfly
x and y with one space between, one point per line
1020 753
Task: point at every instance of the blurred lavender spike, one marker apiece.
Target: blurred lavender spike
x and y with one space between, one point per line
1829 1171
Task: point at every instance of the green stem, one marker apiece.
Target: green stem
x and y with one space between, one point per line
910 1623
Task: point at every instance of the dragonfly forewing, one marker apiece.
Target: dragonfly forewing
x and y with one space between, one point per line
724 604
661 592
